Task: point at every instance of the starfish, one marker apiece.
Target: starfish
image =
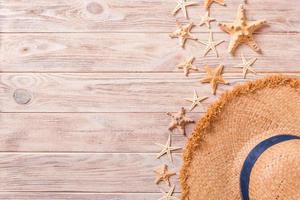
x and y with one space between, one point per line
247 65
179 120
167 149
183 32
196 100
206 19
168 195
214 77
242 30
181 5
163 175
187 65
207 3
211 45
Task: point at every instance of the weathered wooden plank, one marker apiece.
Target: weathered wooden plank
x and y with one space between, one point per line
108 52
104 92
87 132
132 16
76 196
103 173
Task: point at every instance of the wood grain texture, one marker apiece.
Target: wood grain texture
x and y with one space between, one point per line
106 92
76 196
136 52
133 15
103 173
87 132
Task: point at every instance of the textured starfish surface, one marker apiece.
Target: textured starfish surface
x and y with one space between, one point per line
181 5
167 149
214 77
247 65
211 45
183 32
196 100
187 66
163 174
241 31
179 120
206 19
207 3
168 195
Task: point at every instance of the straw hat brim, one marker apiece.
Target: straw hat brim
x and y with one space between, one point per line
232 126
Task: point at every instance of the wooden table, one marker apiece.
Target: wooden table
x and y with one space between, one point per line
85 85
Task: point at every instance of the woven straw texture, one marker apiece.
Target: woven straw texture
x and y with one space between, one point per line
234 125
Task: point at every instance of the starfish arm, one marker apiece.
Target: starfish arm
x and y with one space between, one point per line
182 129
193 106
186 72
170 155
163 152
227 27
251 69
206 80
207 4
241 16
221 2
245 70
252 61
253 45
188 120
158 180
219 70
170 114
214 86
192 37
176 9
172 126
207 49
233 44
185 11
204 43
190 100
182 41
256 25
221 80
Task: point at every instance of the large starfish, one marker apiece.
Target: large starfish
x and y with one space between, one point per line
167 149
247 65
211 45
196 100
179 120
181 5
187 66
163 174
206 19
214 77
168 195
183 32
241 31
207 3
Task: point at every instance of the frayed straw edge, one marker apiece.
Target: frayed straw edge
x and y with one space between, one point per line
213 112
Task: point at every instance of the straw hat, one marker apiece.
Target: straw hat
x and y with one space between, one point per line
247 146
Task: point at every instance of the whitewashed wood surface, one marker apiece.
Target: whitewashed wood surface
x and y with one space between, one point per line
85 84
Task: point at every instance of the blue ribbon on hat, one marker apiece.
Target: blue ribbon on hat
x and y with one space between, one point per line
252 157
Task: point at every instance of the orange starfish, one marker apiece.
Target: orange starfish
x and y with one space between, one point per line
242 30
207 3
214 77
179 120
163 174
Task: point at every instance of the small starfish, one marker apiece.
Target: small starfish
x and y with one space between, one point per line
247 65
179 120
168 195
163 175
167 149
214 77
207 3
241 31
181 5
206 19
187 65
211 45
183 32
196 100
